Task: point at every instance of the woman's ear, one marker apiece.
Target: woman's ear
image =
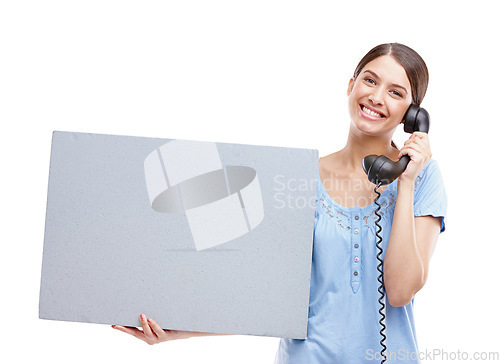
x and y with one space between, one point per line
350 86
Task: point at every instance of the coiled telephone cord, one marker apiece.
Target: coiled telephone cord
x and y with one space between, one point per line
380 277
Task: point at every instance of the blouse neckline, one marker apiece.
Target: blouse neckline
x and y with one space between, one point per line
352 208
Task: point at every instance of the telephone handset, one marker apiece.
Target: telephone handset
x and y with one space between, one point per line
381 171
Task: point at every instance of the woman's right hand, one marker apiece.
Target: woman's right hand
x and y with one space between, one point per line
152 333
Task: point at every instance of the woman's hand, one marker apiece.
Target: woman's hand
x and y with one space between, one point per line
152 333
417 147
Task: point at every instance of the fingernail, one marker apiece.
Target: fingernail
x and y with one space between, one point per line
143 316
149 320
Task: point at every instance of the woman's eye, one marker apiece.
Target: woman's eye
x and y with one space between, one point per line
397 93
369 80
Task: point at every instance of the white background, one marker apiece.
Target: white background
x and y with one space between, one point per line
252 72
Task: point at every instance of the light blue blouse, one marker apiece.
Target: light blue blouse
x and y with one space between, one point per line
343 324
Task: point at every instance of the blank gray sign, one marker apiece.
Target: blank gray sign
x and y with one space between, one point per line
199 236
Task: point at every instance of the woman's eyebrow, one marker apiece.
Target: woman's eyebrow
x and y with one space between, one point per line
394 84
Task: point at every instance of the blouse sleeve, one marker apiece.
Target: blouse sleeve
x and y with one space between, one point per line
430 194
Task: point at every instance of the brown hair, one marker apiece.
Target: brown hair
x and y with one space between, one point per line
414 65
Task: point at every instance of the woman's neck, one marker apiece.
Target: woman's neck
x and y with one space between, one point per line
359 146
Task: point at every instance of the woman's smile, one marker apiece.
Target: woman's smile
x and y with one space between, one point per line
370 113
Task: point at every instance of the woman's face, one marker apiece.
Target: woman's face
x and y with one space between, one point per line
379 97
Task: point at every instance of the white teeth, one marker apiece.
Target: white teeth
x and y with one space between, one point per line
370 112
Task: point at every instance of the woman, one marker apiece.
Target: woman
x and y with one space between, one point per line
343 322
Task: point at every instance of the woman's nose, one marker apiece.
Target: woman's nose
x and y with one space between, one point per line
376 97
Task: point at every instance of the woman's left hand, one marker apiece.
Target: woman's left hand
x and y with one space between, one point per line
419 150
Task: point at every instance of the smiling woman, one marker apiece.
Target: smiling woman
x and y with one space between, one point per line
344 319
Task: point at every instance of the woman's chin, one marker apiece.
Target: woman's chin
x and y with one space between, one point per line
367 126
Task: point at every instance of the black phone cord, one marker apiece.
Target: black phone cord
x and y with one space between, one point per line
380 277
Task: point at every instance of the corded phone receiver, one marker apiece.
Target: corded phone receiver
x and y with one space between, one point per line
382 170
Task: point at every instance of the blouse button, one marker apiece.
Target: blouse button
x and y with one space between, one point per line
356 259
356 246
355 273
356 231
356 217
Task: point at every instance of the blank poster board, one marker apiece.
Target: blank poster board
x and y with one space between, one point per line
200 236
